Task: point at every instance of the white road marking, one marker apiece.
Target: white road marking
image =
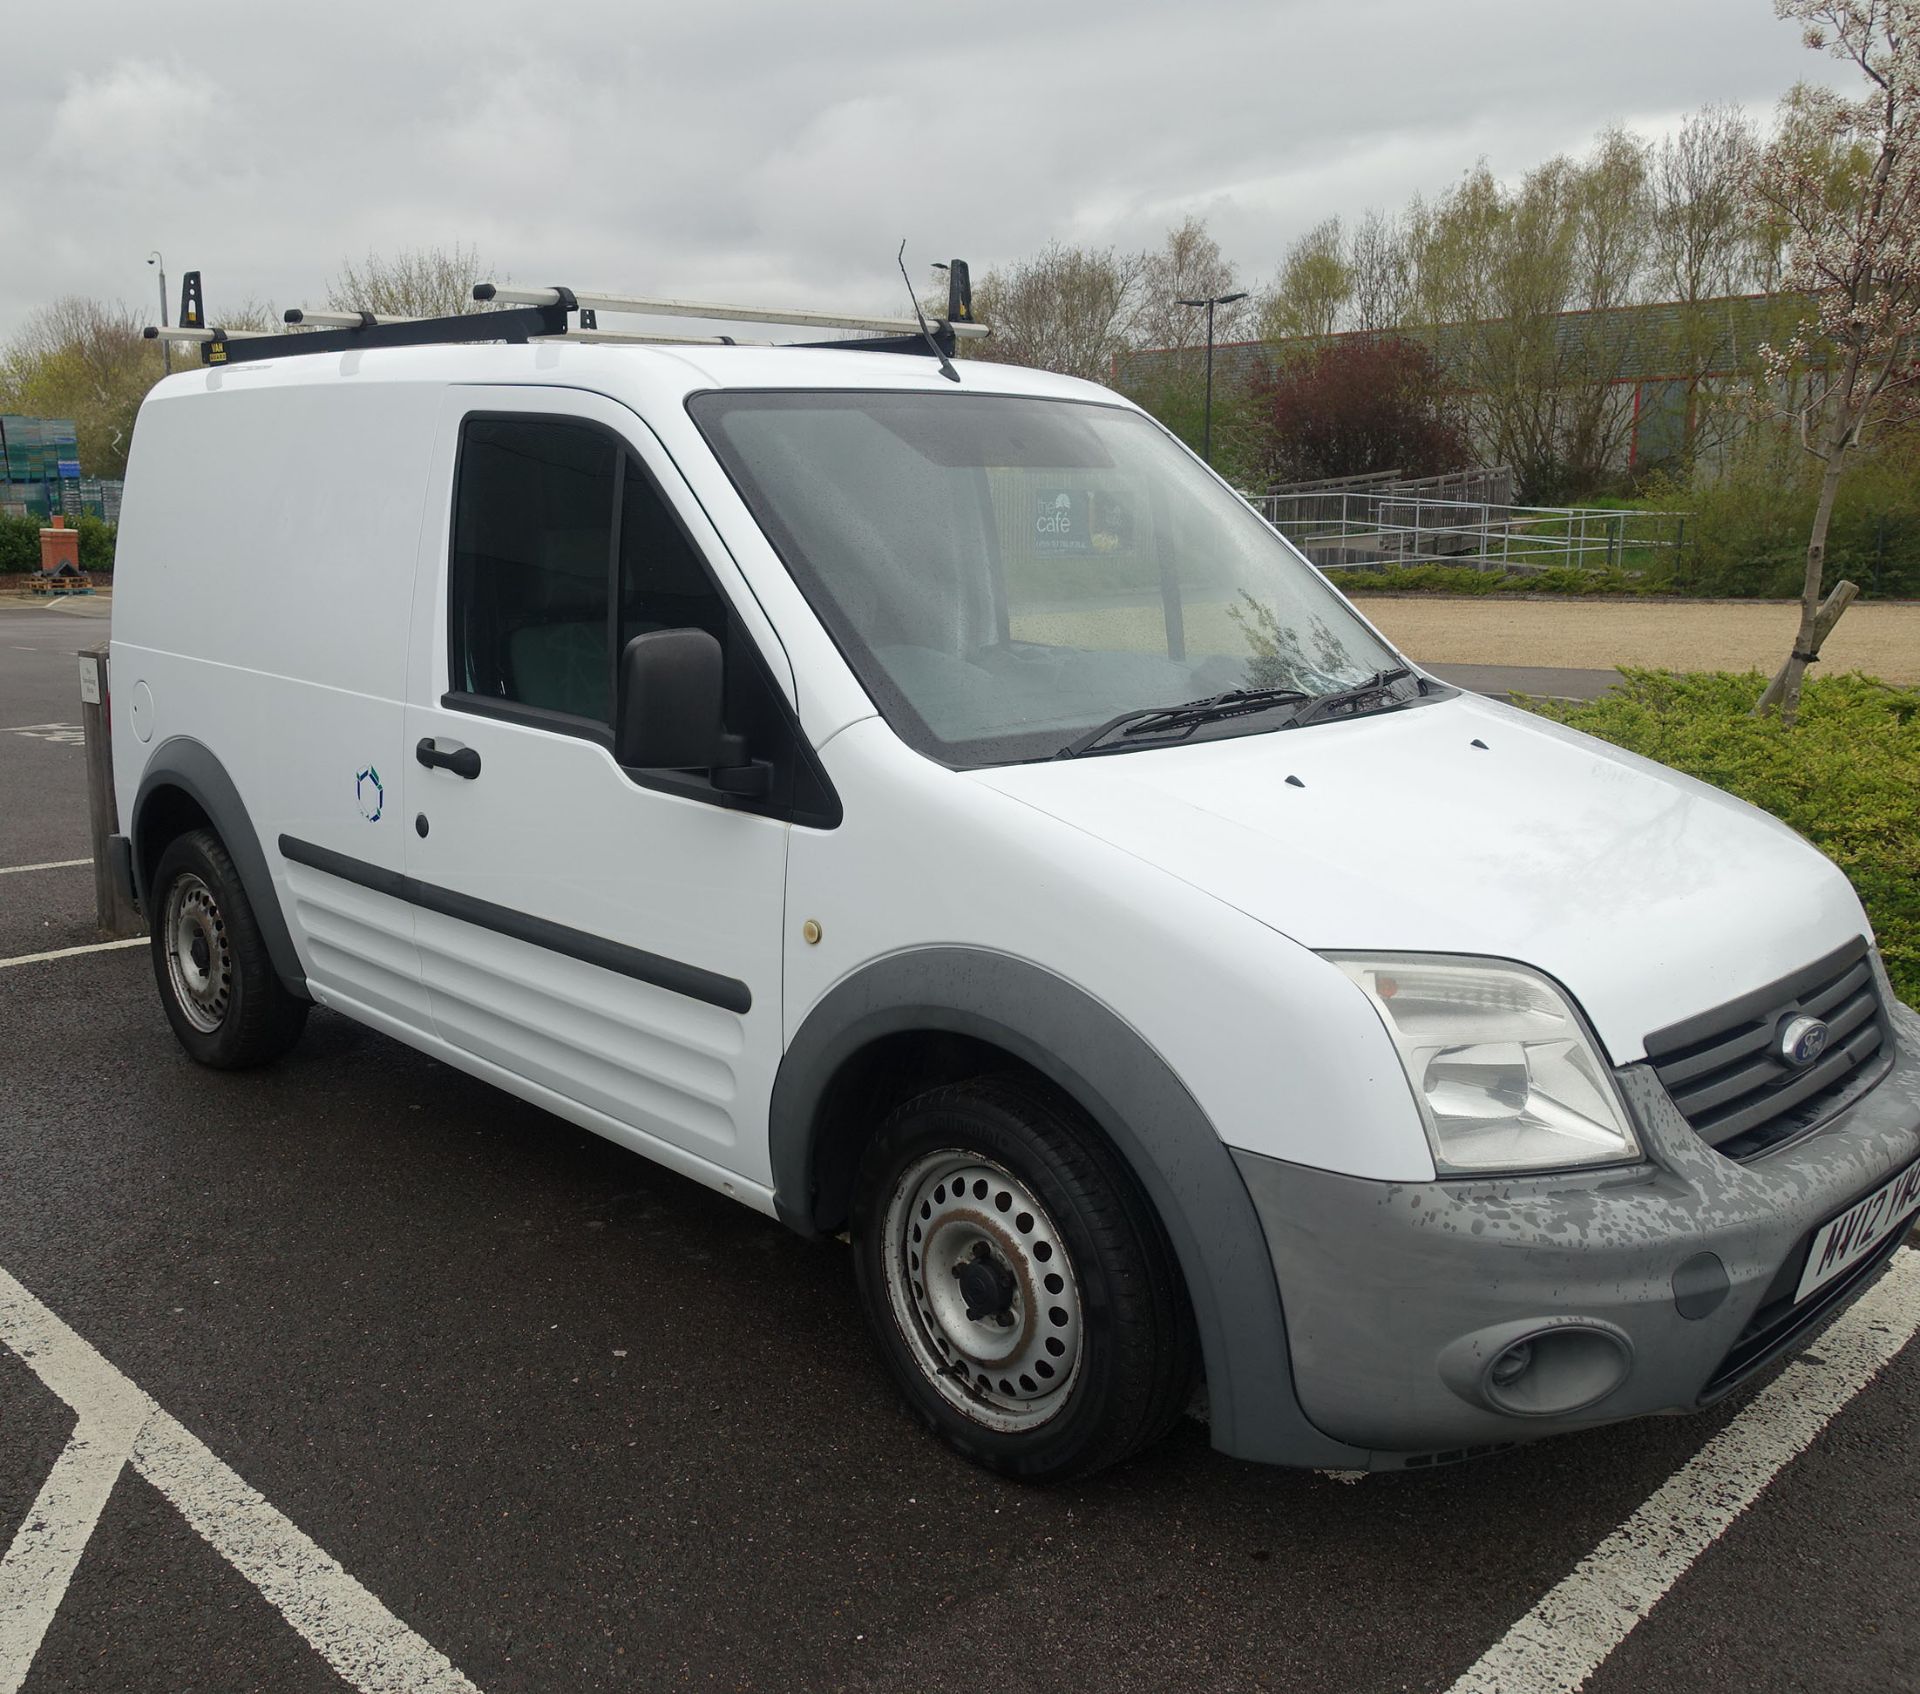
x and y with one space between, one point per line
63 734
1558 1645
364 1642
45 865
72 952
45 1552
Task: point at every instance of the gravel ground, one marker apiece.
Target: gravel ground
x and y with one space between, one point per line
1716 635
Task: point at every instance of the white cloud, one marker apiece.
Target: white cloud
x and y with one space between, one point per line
770 152
137 116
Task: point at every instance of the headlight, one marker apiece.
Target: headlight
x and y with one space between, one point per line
1506 1074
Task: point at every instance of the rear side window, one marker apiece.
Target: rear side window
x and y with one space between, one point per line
533 538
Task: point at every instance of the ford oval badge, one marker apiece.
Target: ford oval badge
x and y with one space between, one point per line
1802 1040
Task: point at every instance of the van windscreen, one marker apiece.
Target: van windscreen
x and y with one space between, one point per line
1005 572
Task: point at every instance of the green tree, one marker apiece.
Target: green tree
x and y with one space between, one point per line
1312 289
85 360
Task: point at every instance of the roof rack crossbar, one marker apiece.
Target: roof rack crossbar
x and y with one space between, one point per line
233 347
618 335
329 319
654 306
540 314
183 332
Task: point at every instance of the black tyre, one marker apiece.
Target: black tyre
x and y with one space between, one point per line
1021 1288
222 996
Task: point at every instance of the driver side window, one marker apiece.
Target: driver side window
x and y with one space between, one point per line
563 551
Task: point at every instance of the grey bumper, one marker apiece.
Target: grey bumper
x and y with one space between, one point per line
1665 1285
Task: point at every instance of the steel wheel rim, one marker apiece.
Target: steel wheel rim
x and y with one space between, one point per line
199 955
961 1235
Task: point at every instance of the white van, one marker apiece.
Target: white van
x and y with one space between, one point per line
942 812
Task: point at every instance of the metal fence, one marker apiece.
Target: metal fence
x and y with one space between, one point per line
1373 524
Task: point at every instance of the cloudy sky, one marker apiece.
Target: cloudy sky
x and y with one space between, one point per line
778 153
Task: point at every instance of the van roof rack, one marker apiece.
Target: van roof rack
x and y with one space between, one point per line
541 314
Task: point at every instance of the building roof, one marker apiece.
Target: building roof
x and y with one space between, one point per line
1642 343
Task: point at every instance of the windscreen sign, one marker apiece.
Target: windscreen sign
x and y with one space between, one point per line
1081 520
1060 521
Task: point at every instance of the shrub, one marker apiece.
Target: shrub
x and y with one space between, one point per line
1846 776
19 544
1355 406
1748 533
1464 579
96 543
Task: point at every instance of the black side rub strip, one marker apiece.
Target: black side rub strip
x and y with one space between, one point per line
727 992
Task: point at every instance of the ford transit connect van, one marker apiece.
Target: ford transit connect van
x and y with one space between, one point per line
941 812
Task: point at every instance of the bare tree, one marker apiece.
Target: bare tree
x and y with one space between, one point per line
1703 246
1844 178
1188 265
1702 242
1380 264
1068 309
1314 285
416 282
1612 216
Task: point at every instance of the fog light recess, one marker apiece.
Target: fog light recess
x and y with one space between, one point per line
1539 1370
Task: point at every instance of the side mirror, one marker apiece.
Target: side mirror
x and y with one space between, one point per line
672 692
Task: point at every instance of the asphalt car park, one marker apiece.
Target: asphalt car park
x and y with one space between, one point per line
477 1390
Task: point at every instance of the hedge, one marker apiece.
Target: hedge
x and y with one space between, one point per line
20 544
1846 776
1464 579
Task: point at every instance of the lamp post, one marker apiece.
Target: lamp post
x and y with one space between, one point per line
166 346
1206 427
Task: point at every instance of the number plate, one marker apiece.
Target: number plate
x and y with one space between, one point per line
1849 1238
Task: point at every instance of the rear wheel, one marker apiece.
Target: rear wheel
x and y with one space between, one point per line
216 980
1022 1290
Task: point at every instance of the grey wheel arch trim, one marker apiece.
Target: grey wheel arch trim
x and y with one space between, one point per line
1096 1057
191 767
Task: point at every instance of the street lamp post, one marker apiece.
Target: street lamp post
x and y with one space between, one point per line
166 346
1206 426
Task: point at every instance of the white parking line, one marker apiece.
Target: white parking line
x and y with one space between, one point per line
72 952
1558 1645
44 865
364 1642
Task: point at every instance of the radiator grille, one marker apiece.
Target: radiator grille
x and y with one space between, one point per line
1723 1068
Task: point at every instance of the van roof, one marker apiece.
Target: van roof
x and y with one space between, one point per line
635 372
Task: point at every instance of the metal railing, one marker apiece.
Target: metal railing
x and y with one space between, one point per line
1379 527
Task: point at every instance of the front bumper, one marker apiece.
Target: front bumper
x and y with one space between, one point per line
1678 1275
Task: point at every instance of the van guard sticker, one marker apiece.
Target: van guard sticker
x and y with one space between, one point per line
367 790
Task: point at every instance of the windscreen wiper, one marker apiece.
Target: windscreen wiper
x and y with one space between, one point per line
1183 719
1352 699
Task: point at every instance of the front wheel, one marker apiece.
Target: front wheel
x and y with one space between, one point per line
217 982
1021 1289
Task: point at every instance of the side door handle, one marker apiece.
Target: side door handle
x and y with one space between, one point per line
466 762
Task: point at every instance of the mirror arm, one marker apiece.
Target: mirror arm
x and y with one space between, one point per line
735 773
